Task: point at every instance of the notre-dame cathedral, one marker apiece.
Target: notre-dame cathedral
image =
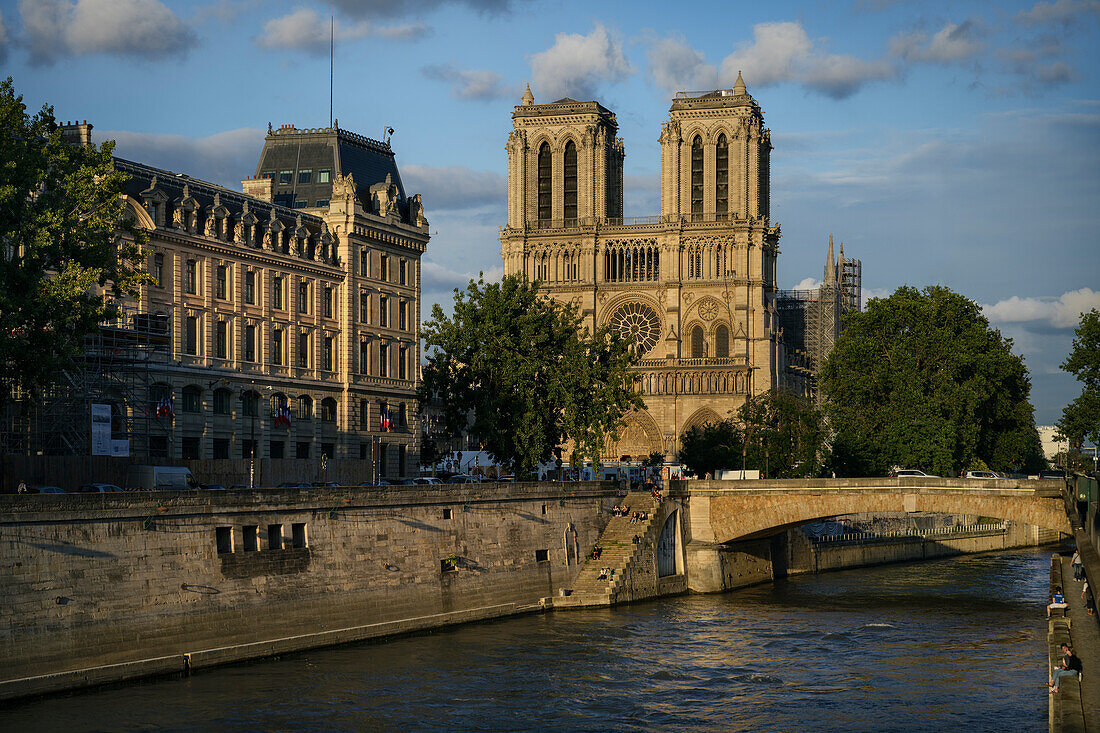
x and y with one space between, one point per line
694 288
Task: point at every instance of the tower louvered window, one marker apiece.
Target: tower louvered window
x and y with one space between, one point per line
544 183
697 175
570 208
722 176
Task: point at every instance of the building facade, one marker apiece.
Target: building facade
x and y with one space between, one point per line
281 322
692 288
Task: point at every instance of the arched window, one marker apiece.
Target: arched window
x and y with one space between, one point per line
722 341
192 398
544 182
697 342
570 188
328 410
722 176
697 175
305 407
222 401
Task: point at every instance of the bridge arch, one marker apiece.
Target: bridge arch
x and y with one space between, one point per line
755 509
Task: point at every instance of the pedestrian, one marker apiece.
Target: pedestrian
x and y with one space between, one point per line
22 487
1076 563
1090 601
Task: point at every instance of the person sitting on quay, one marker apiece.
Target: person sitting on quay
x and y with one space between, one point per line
1071 667
1058 600
596 552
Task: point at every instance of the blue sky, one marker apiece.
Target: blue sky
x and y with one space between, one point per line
953 143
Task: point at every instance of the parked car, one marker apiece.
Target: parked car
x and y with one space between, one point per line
1053 474
427 480
380 483
461 478
160 478
293 485
47 490
507 479
981 474
213 487
236 487
324 483
902 472
101 488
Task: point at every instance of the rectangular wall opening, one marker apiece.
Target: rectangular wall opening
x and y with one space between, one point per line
446 513
224 537
274 536
542 555
298 535
251 539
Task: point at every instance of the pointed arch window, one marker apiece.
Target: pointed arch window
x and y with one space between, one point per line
697 175
722 176
570 188
722 342
697 342
544 182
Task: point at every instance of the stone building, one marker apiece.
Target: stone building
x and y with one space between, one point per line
694 287
287 315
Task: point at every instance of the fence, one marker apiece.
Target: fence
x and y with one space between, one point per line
939 532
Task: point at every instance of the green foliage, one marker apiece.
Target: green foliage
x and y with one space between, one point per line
521 375
1081 418
67 249
920 380
777 433
654 459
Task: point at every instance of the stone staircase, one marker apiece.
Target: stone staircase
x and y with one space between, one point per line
619 551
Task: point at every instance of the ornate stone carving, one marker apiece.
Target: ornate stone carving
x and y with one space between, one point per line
708 309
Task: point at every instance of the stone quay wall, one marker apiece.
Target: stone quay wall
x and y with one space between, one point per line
103 587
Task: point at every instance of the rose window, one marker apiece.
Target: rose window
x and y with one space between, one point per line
638 324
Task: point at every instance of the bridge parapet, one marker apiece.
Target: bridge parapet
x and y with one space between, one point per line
906 484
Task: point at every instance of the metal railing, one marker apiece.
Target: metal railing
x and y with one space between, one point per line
937 532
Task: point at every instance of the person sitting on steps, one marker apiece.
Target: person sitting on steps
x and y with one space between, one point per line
1071 667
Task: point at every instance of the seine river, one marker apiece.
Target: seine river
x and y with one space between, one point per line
949 645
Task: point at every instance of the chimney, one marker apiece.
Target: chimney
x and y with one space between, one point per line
260 188
77 133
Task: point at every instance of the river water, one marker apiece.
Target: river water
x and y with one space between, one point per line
947 645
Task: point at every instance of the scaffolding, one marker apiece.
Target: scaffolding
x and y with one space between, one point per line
116 368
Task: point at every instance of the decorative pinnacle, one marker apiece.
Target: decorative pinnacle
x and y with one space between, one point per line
528 98
739 85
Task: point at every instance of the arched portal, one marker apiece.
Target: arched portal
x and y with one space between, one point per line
669 558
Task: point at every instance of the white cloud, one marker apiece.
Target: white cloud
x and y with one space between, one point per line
1062 12
577 64
779 52
306 30
952 44
807 283
1061 312
454 187
137 28
224 158
480 84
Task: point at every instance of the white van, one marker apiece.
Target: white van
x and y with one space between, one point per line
159 478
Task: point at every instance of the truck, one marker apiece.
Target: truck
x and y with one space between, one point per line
159 478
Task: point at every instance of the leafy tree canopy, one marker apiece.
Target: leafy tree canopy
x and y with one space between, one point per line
521 375
921 380
66 246
777 433
1081 418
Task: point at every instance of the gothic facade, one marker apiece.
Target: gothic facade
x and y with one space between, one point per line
692 288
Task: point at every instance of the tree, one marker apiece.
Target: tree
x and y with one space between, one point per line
1081 418
920 380
67 248
777 433
785 435
706 448
519 374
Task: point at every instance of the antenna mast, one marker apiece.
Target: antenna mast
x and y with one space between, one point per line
331 52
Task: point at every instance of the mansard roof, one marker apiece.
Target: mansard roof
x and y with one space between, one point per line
177 188
334 149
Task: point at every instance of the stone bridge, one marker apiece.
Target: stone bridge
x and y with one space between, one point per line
719 513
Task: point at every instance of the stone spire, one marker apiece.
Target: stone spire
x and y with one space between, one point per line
528 98
739 85
830 264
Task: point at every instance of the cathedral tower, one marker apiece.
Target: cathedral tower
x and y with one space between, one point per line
565 164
